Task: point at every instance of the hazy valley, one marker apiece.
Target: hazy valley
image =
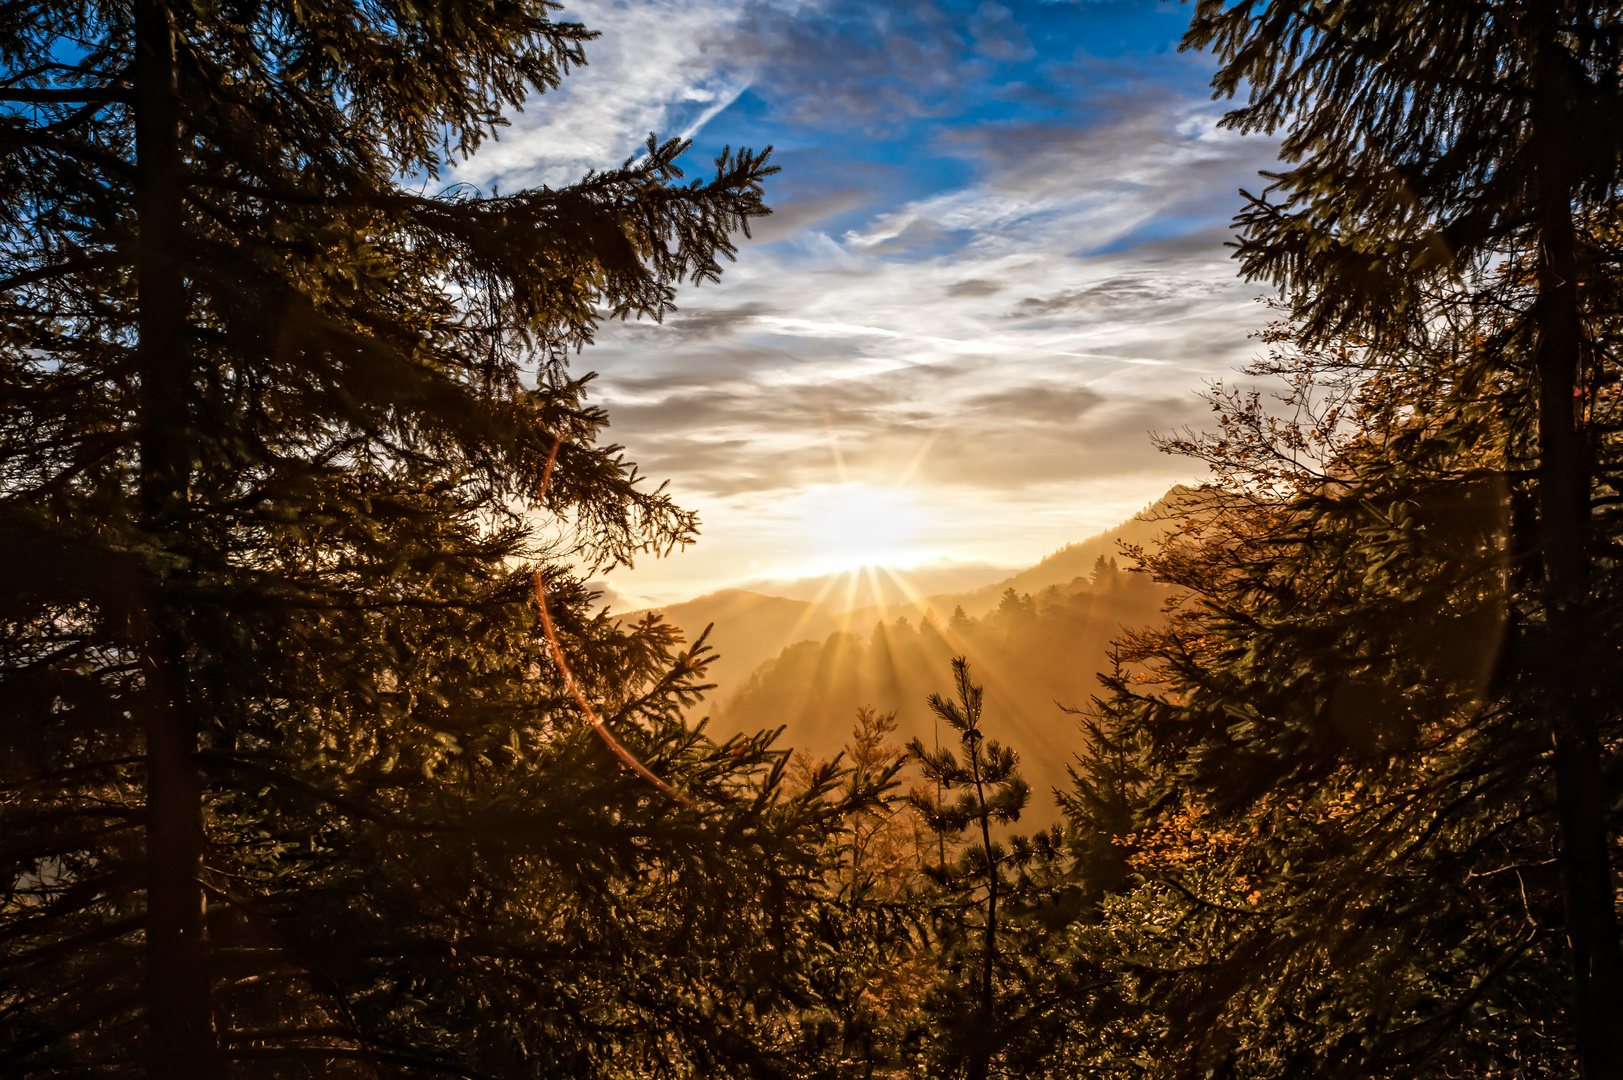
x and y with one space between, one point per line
1037 640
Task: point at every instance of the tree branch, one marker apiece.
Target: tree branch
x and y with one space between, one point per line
87 96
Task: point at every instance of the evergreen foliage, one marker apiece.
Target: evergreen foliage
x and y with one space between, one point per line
972 1021
318 762
1030 656
1350 810
1341 861
1429 145
872 959
1451 205
291 781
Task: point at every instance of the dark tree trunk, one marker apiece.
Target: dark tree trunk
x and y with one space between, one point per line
984 1039
180 1022
1563 496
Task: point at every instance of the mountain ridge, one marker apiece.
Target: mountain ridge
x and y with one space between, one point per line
752 627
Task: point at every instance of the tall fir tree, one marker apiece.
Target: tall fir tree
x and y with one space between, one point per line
1346 804
292 781
1426 144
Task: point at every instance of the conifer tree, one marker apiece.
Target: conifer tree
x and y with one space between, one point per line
292 778
992 793
1428 143
1107 792
1341 861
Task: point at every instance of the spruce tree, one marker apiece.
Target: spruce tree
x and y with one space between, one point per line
1428 143
1346 808
292 460
1107 790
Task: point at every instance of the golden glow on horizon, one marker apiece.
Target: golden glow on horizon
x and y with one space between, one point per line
844 590
851 525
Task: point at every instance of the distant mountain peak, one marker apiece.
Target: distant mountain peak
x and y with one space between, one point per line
755 620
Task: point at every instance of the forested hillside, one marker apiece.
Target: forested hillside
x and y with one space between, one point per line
1034 654
747 628
1073 566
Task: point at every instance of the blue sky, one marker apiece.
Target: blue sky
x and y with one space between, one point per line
996 264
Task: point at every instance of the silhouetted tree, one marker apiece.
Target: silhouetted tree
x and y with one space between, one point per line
1340 853
1108 791
1427 144
292 779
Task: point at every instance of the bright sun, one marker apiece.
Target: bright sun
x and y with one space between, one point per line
853 524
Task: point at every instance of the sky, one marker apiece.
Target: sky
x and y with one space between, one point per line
995 266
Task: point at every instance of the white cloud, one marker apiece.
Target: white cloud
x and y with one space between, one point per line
986 345
658 66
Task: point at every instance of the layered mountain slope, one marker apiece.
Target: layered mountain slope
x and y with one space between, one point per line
1036 639
873 587
748 629
1072 564
1033 655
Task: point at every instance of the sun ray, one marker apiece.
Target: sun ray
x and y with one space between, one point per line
810 610
914 598
918 458
874 588
828 586
833 442
850 579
